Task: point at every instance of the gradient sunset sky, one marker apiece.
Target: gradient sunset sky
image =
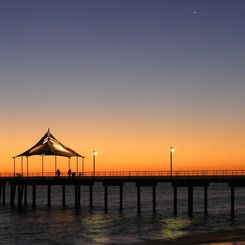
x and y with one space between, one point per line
128 78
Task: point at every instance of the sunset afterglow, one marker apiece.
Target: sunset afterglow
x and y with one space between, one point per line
128 81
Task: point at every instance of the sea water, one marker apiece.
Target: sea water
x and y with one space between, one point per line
57 225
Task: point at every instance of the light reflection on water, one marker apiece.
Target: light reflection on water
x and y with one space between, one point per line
176 227
97 226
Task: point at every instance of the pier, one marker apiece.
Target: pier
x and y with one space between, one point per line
188 179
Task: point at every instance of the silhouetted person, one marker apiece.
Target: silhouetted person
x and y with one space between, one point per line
58 172
69 172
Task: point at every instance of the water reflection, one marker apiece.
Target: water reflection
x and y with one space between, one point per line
97 228
176 227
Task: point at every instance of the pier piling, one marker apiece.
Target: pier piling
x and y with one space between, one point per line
3 199
33 195
138 199
1 191
25 195
175 200
190 200
12 194
49 196
76 196
63 195
22 183
121 198
105 198
20 194
154 198
232 201
91 197
205 200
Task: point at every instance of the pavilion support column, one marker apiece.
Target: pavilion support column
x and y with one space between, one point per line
21 165
63 195
27 167
14 165
34 196
42 164
55 165
77 166
69 163
83 165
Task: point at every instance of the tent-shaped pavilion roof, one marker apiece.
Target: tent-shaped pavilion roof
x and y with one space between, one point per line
49 145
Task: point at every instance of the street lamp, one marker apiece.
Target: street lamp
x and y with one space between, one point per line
95 153
171 159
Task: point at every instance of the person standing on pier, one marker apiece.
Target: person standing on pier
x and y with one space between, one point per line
58 172
69 172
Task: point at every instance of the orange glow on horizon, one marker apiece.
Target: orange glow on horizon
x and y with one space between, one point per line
123 154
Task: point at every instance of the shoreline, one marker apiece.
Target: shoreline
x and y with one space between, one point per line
217 237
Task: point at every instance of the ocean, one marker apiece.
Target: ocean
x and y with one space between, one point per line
57 225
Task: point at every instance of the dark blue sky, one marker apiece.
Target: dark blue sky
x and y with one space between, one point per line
154 62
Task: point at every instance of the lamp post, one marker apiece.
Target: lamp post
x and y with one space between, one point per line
95 153
171 159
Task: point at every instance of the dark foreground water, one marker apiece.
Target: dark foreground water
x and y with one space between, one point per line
55 225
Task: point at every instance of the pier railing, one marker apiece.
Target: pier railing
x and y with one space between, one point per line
133 173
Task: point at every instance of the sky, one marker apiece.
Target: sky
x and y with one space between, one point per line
128 78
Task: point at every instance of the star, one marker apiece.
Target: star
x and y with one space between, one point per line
194 11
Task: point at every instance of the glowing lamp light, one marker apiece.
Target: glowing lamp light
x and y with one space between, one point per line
171 160
95 153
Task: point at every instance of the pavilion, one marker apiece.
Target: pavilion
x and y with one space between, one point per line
48 145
